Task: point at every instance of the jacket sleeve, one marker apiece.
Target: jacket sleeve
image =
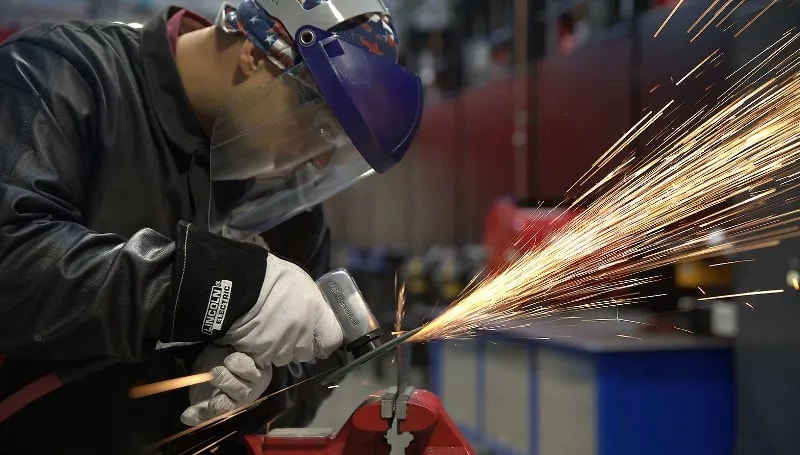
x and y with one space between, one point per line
68 293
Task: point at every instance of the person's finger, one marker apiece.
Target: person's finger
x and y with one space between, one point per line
304 351
327 334
229 384
195 414
283 357
221 404
243 366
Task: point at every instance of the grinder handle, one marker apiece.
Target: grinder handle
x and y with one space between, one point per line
361 330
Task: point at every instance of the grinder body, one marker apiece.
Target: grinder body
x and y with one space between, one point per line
361 331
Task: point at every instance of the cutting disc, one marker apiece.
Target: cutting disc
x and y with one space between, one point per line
339 374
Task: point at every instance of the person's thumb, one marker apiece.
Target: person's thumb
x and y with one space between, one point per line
196 414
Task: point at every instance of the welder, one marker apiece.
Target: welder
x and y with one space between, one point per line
160 191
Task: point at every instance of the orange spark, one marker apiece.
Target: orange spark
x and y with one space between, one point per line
755 18
662 205
743 294
696 67
710 7
719 11
671 13
729 14
731 262
168 385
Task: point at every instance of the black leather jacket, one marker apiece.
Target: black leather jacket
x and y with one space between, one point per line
103 198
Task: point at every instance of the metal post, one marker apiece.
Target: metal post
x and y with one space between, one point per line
522 174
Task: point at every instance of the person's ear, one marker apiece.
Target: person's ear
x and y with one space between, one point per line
251 59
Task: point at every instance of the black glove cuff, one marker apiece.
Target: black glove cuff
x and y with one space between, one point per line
215 281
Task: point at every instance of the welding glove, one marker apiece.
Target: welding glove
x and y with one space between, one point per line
236 382
291 321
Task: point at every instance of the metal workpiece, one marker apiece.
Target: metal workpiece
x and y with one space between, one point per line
402 393
337 375
361 331
394 404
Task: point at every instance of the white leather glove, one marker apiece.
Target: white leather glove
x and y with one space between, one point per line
237 382
291 321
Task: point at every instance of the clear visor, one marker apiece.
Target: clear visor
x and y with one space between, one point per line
276 152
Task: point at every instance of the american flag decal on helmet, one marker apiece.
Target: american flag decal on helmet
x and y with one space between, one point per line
375 33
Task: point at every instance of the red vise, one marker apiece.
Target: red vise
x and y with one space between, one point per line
364 433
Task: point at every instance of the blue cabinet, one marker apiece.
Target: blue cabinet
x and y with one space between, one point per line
520 393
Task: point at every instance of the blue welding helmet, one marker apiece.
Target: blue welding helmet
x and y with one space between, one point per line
342 109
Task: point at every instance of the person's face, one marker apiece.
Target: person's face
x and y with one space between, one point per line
277 120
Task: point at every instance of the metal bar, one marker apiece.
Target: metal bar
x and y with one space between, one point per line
386 347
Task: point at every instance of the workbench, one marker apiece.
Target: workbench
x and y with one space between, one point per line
574 387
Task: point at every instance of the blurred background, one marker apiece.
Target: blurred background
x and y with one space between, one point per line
522 97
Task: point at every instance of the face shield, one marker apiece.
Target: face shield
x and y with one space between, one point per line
276 152
340 115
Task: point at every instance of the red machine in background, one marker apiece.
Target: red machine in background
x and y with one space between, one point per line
510 230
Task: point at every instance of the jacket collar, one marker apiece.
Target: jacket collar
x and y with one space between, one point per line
171 104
